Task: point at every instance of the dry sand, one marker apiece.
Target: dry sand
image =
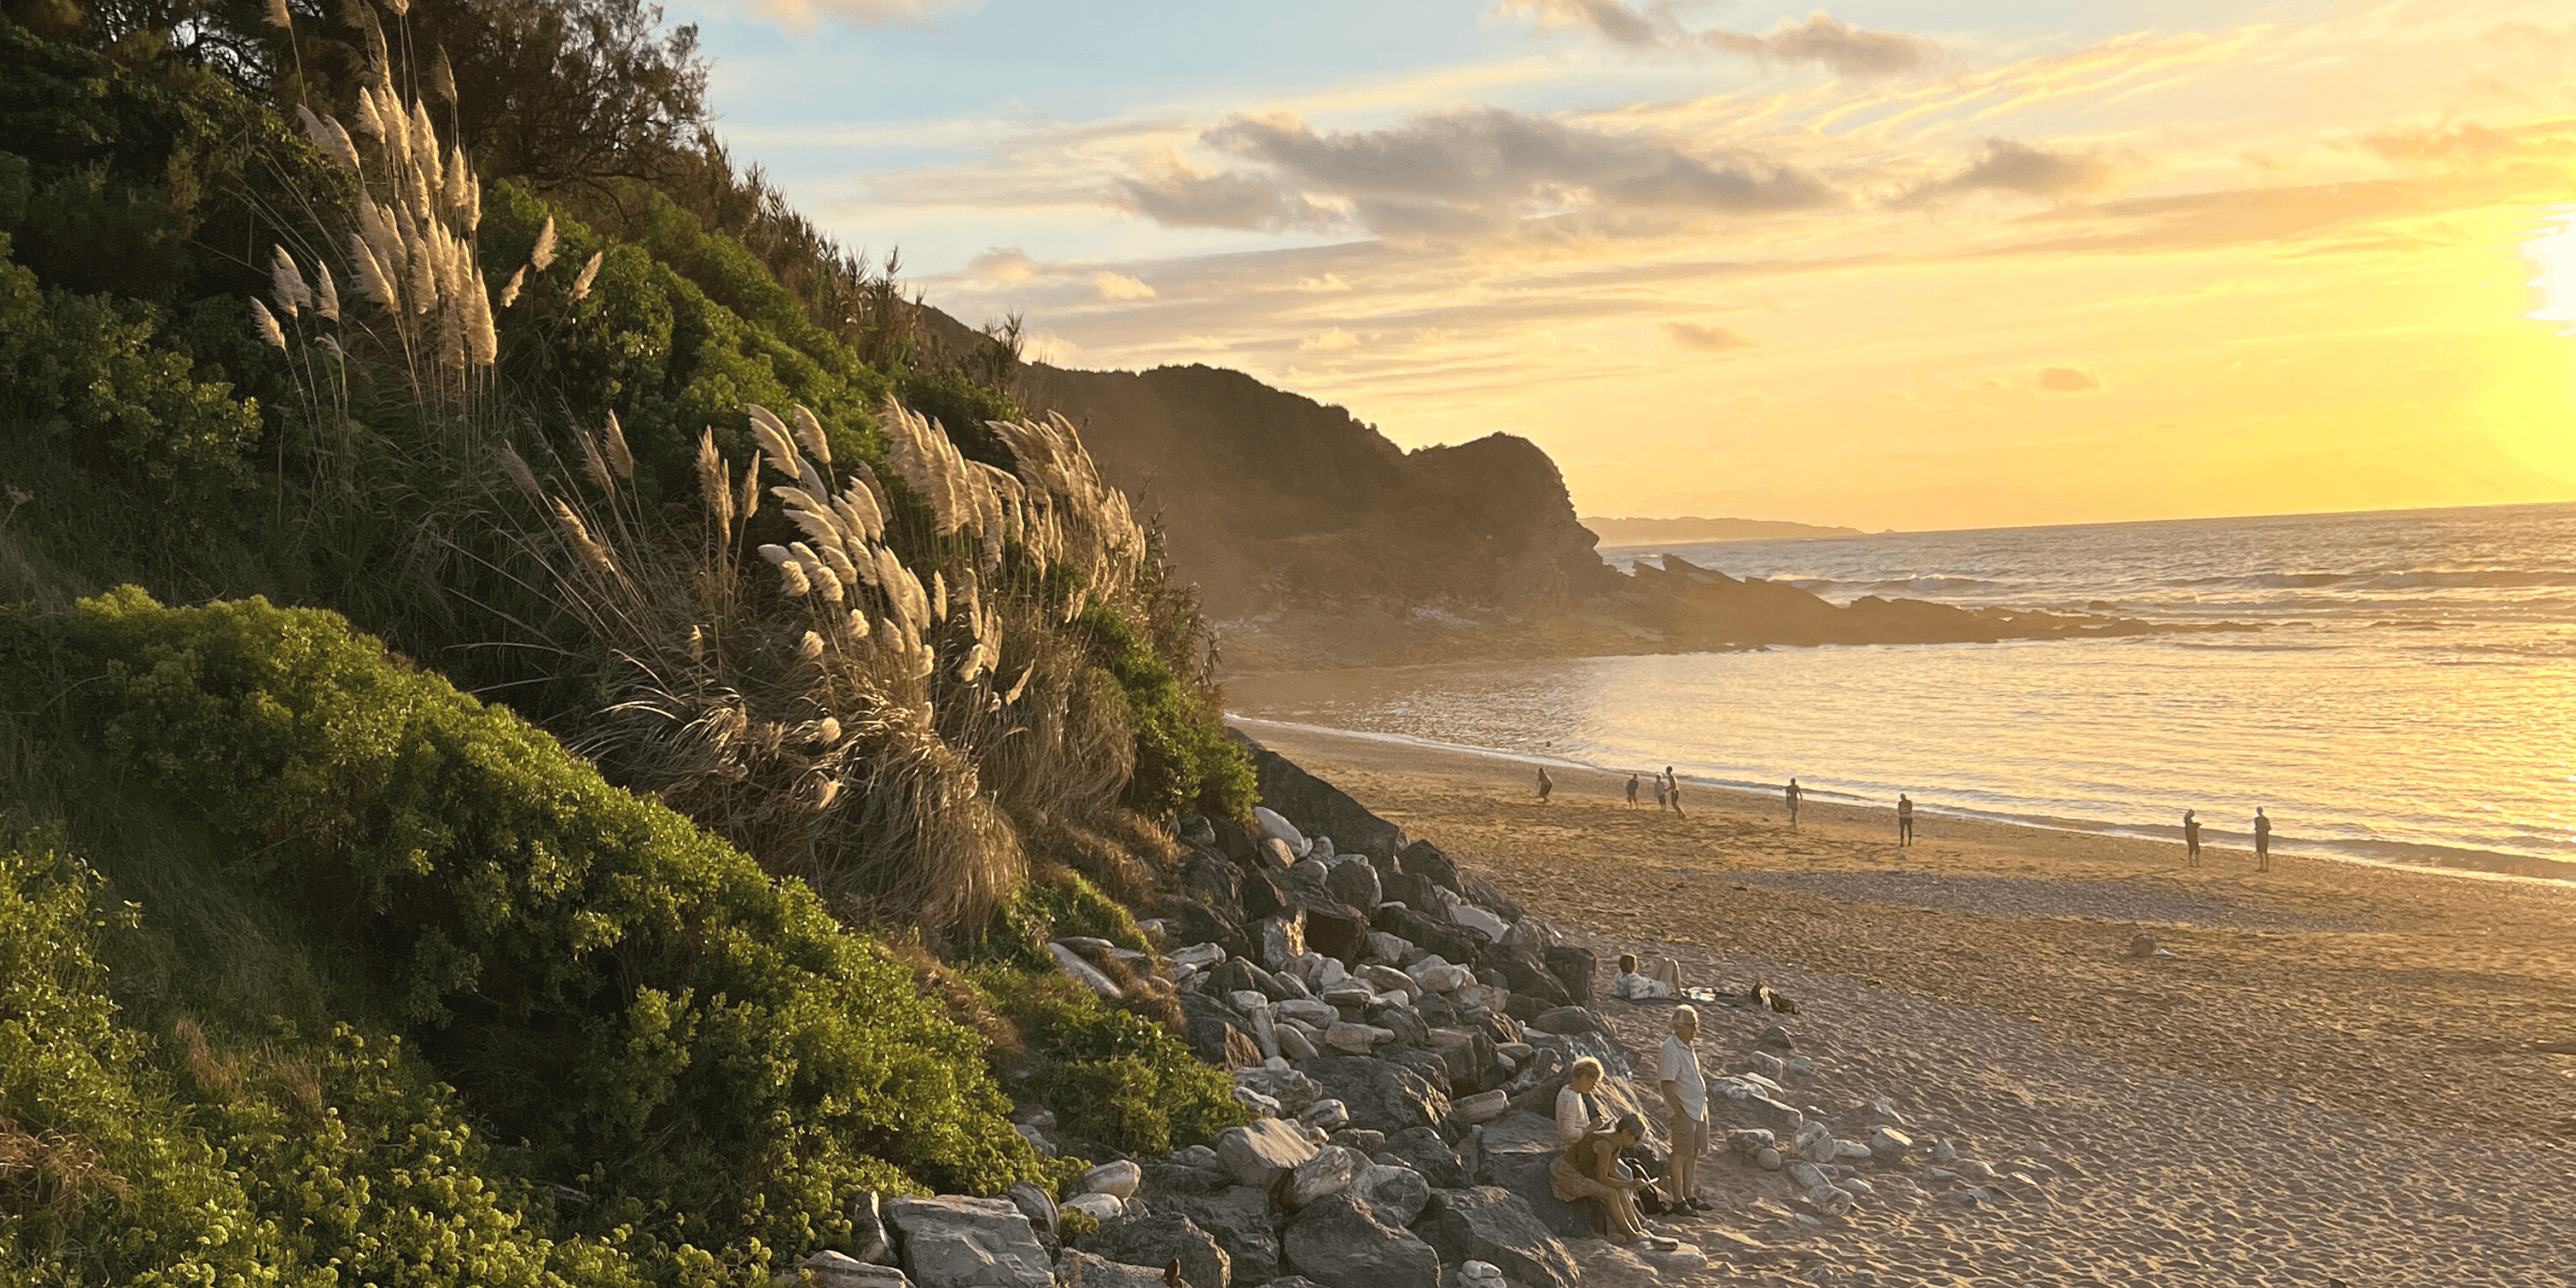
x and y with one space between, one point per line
2344 1072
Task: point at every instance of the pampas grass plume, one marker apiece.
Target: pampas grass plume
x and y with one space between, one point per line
618 457
371 275
482 342
589 273
542 257
809 432
326 293
399 7
810 649
713 486
265 322
286 285
510 292
442 76
369 124
277 14
747 500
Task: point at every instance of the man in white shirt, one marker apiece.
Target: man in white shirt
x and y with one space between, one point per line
1686 1096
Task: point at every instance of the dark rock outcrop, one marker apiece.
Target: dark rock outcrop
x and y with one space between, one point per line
1488 1223
1338 1242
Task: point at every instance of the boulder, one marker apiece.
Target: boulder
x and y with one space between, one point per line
1238 1218
1195 922
1488 896
1099 1207
1468 1054
1277 855
1259 1153
1426 859
1484 1106
1210 879
1515 1152
953 1242
1431 933
1276 940
1395 1195
1487 1223
1333 928
1566 1021
1273 824
1382 1096
1160 1240
1295 1044
1328 1172
1076 1268
1356 1039
1293 1090
1422 1149
1356 884
1574 968
1575 1046
1308 873
1120 1178
829 1269
1399 1018
1232 840
1035 1204
1339 1243
1163 1180
1262 893
869 1238
1371 1143
1763 1111
1083 972
1326 1115
1202 956
1493 928
1318 806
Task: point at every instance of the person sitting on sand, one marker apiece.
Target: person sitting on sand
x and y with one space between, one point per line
1545 784
2262 841
1793 795
1686 1096
1589 1169
2191 838
1904 819
1576 1115
1632 790
1634 985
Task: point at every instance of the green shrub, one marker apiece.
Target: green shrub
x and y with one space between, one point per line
702 1049
1110 1074
1184 760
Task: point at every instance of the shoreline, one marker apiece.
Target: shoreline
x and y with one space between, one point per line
2487 865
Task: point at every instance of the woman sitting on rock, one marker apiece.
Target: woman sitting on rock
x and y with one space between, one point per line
1575 1115
1589 1169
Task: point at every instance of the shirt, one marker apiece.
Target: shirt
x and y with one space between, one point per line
1680 1067
1573 1117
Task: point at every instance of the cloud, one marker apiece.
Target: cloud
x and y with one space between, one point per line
2011 166
802 16
1700 335
1333 340
1328 284
1609 18
1118 288
2066 380
1463 171
1831 43
1004 264
2470 143
1182 197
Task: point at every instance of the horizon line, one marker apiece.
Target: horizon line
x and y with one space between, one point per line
2081 523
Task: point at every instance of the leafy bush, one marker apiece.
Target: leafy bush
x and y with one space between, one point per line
701 1048
1184 760
1111 1074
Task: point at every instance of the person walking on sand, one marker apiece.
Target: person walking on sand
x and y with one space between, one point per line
1793 795
1632 790
2262 841
2191 838
1686 1096
1904 819
1545 784
1672 789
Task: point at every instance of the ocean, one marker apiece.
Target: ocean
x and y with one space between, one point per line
2410 696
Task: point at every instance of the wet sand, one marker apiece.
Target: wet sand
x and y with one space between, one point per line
2344 1070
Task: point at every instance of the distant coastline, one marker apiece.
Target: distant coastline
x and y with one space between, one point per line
1686 531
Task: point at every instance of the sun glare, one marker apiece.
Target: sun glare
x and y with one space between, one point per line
2555 253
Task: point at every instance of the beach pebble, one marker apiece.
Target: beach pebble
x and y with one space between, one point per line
1769 1158
1943 1151
1766 1064
1885 1111
1777 1037
1887 1144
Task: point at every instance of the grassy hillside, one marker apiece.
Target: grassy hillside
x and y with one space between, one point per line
482 799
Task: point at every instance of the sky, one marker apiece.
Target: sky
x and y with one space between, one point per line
1886 265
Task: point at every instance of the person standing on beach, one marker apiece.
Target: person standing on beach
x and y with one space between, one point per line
1904 819
1672 789
1686 1096
1632 790
1545 784
2191 838
2262 841
1793 804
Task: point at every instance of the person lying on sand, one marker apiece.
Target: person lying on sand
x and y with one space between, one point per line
1589 1169
1634 985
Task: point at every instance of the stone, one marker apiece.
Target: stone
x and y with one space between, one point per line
1211 878
1468 1054
1310 1010
1568 1020
1160 1240
1387 979
1273 825
1076 1268
1202 956
1339 1243
1776 1037
1037 1139
828 1269
1769 1158
1293 1090
1822 1149
1265 1032
1763 1111
1432 934
1355 884
1371 1143
954 1242
1484 1106
1196 1156
1333 928
1487 1223
1479 1274
1356 1039
1943 1151
1422 1149
1766 1064
1295 1045
1485 894
1807 1176
1830 1200
1328 1115
1395 1194
1318 806
1480 921
1382 1096
1244 1001
1427 860
1200 922
1120 1178
1259 1153
1035 1204
1574 968
1278 939
1328 1172
1852 1151
1099 1207
1165 1179
1749 1141
1238 1217
1385 947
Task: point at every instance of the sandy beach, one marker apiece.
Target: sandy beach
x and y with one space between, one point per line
2343 1071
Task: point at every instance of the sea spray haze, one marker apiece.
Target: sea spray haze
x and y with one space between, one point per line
2406 698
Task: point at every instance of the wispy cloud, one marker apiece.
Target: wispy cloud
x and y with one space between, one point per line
806 15
1702 335
1838 46
2067 380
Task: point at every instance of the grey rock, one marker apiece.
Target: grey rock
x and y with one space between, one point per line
1422 1149
1381 1096
1277 940
1099 1207
1160 1240
1480 921
1202 956
1467 1054
829 1269
1763 1111
1355 884
1387 979
1076 1268
1165 1179
1568 1020
1259 1153
1293 1090
953 1242
1806 1176
1272 824
1776 1037
1120 1178
1488 1223
1395 1194
1484 1106
869 1239
1035 1204
1239 1218
1356 1039
1326 1115
1328 1172
1769 1159
1295 1045
1308 1010
1339 1243
1371 1143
